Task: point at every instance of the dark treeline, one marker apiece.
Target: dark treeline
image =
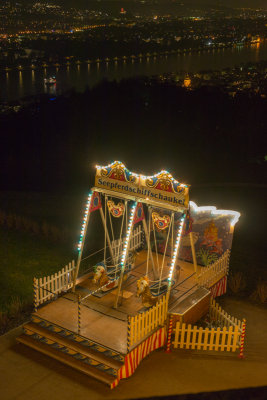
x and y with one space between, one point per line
200 136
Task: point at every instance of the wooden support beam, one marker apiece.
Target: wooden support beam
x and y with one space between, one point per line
123 266
147 234
174 260
118 290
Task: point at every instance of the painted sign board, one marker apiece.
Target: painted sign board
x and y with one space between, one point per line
161 188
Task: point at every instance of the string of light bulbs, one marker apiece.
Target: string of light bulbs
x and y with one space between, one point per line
176 247
213 210
141 175
85 220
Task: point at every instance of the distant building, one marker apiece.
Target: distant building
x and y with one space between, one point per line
187 82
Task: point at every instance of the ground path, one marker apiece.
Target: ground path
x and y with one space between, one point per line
27 374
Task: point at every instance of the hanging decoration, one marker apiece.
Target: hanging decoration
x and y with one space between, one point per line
161 222
95 202
139 213
115 210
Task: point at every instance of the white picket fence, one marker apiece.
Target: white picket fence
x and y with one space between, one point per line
214 272
218 314
195 338
226 337
135 242
47 287
141 325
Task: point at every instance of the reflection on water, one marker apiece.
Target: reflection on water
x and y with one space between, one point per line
20 84
50 89
256 47
15 84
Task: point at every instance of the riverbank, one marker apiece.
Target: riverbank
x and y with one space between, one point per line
17 83
71 61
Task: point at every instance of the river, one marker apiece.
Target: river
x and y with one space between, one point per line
16 84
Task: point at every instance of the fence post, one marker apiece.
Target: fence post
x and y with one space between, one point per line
128 333
35 294
241 354
168 348
79 314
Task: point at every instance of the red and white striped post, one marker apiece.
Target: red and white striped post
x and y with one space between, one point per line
241 354
79 314
35 284
168 348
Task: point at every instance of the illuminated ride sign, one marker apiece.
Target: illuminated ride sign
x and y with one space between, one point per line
160 188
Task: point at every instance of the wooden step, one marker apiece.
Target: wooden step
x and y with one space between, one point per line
40 321
79 348
66 359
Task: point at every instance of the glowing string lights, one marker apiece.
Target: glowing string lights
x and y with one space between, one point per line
85 221
213 210
176 248
138 176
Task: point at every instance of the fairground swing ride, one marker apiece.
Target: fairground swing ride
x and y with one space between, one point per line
163 261
141 203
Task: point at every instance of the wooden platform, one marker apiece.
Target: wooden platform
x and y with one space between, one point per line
102 323
99 347
130 305
95 325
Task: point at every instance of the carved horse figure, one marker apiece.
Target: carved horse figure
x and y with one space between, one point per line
101 278
143 290
107 275
148 297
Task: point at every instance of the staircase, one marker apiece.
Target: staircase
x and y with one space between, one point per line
72 349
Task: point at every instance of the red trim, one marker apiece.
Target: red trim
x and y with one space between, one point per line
219 288
133 359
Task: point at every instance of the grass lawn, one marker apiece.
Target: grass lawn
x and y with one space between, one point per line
26 256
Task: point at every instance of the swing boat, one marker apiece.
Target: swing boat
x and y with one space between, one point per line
112 272
104 335
160 287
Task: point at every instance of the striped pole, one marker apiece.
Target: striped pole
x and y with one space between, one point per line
79 314
128 333
241 354
168 348
35 294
